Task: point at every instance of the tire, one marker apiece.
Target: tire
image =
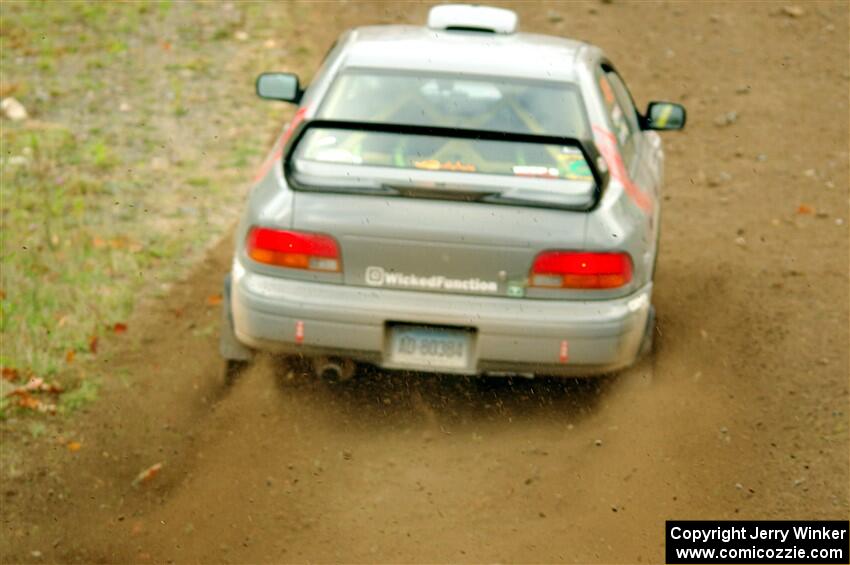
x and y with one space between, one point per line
233 369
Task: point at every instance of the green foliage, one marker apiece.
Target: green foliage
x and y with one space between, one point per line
78 398
133 160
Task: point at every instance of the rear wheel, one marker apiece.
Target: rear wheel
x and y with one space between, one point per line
233 369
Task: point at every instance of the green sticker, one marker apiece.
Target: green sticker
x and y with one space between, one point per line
516 290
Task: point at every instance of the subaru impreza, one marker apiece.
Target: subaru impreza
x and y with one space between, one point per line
457 197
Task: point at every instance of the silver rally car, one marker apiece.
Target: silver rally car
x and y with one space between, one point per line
455 198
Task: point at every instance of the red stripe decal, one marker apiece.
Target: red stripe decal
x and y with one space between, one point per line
607 144
277 149
564 353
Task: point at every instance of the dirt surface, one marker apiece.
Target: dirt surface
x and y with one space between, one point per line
742 412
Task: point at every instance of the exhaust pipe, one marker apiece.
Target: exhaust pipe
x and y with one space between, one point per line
334 369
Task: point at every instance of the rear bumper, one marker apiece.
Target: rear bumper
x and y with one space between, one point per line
511 335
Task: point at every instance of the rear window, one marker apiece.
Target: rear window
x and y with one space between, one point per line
448 137
434 153
477 103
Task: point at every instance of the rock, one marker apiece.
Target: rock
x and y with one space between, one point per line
726 119
761 157
159 163
13 109
743 89
598 443
740 241
18 161
554 17
124 107
241 35
793 11
722 178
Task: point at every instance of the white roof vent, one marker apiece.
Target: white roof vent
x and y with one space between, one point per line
469 17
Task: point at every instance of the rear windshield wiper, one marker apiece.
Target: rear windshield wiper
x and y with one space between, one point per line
440 192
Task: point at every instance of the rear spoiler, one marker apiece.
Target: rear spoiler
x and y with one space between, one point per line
591 154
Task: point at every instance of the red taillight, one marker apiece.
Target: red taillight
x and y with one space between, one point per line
296 250
570 269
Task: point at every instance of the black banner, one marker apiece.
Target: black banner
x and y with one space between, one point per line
753 541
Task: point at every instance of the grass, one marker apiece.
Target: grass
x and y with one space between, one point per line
134 159
64 256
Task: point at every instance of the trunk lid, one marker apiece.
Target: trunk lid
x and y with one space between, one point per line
437 245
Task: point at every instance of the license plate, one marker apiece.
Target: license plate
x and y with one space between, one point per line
434 348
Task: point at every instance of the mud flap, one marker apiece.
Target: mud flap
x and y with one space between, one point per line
230 347
648 335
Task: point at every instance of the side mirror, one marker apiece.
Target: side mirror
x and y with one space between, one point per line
664 116
279 86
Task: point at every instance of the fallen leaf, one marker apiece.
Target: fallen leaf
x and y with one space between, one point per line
52 388
214 300
8 89
34 384
166 45
74 446
97 242
10 374
93 344
804 209
148 474
26 400
69 356
2 294
119 328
